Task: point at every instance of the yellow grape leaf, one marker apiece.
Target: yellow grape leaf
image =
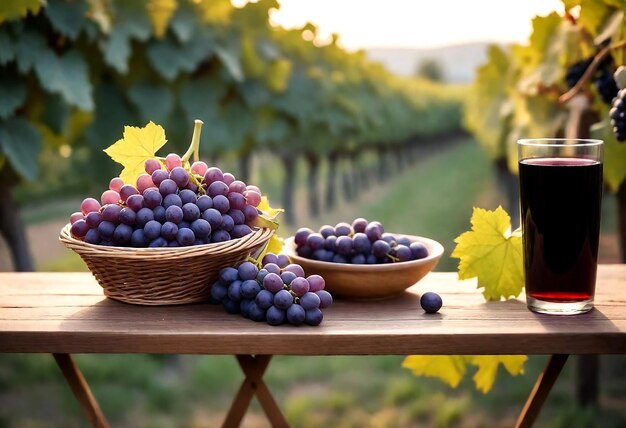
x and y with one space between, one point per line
137 146
160 13
268 211
491 253
447 368
488 368
274 245
214 11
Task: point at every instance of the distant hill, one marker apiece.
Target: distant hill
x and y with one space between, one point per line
458 61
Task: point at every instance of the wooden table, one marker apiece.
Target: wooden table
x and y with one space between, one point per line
65 313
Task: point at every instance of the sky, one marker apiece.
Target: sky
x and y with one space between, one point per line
415 23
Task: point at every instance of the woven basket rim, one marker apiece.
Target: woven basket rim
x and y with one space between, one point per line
257 237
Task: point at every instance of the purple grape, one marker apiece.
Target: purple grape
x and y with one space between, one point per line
234 291
220 236
179 176
296 315
204 202
152 229
299 286
251 214
228 275
250 288
287 277
241 230
380 248
300 238
110 212
213 174
92 236
275 316
273 282
359 225
174 214
231 306
159 214
135 202
327 230
255 312
158 176
374 230
309 300
187 196
201 228
106 229
357 259
167 187
316 282
418 250
247 270
138 239
338 258
272 268
283 299
122 234
126 191
169 230
330 243
191 212
237 186
283 260
295 268
217 188
159 242
143 216
236 200
127 216
326 299
343 229
220 203
262 273
315 241
403 253
431 302
361 243
93 219
185 236
264 299
228 224
172 199
313 317
344 245
237 215
244 307
270 258
152 198
403 240
214 217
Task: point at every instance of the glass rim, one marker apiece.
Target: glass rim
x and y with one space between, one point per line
559 142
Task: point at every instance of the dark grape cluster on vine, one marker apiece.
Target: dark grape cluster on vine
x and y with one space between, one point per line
602 77
618 116
171 205
277 293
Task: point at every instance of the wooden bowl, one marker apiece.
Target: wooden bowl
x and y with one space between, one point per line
369 282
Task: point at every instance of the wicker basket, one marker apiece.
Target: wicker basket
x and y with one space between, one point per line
162 276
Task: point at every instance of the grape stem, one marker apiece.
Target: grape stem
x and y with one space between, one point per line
590 71
194 147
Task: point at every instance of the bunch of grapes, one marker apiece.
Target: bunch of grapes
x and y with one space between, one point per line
603 77
170 206
361 242
618 116
277 293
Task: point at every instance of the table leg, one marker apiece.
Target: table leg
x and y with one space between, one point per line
540 391
81 390
254 367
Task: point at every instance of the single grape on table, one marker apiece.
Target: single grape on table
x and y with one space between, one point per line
261 293
358 242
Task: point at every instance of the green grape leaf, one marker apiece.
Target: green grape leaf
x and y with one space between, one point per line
169 57
16 9
160 13
154 102
230 61
137 146
21 143
112 112
451 369
29 48
488 368
200 99
67 17
13 90
491 253
7 48
277 75
614 168
68 76
448 368
129 25
184 24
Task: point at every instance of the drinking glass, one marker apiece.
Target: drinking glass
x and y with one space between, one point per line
560 197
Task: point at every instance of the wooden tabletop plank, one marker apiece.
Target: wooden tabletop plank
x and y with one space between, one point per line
68 313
